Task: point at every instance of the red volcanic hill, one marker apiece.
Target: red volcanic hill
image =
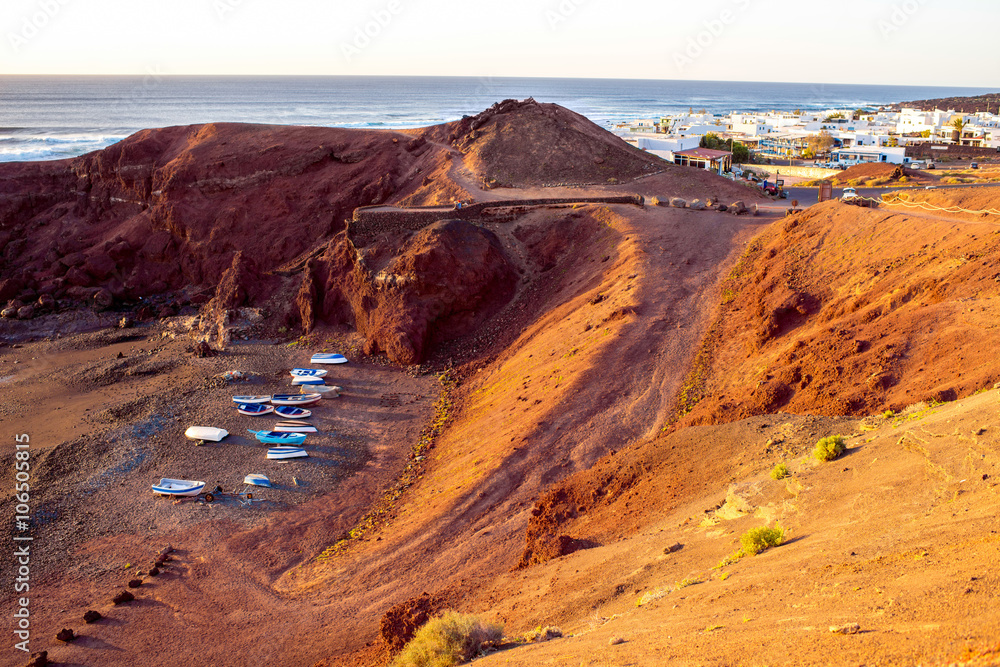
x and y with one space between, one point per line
181 211
166 210
847 311
526 143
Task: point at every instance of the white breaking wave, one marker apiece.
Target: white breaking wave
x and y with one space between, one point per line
24 147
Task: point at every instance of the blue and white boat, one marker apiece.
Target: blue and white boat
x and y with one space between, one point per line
251 399
295 427
295 399
328 358
281 453
301 380
308 372
257 480
254 409
277 438
178 487
290 412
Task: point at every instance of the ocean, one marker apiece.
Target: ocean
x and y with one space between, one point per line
51 117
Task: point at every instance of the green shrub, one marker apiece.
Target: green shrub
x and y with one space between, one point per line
829 448
756 540
449 639
780 471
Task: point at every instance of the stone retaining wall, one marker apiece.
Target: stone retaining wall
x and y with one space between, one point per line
370 221
804 172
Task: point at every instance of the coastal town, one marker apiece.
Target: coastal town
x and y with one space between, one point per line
833 138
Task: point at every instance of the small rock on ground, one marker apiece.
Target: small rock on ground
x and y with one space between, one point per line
40 659
848 629
123 597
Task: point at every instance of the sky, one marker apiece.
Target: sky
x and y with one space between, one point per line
906 42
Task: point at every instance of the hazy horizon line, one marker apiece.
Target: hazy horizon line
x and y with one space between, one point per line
492 77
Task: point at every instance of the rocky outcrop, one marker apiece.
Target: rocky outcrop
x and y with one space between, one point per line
440 284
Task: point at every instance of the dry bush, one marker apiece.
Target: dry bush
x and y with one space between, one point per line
449 639
829 448
756 540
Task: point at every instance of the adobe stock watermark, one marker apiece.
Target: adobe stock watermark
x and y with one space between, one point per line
22 542
364 34
713 30
562 12
225 7
140 94
33 23
900 15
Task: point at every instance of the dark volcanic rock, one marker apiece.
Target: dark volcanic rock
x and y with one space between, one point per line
92 616
123 597
40 659
102 300
65 635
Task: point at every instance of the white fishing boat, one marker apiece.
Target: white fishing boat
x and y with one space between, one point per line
328 358
300 380
257 480
246 400
205 433
309 372
178 487
294 427
254 409
283 453
292 412
295 399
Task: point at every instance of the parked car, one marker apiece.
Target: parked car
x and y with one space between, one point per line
916 164
849 194
974 165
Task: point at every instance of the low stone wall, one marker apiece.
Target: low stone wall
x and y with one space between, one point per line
370 221
804 172
924 151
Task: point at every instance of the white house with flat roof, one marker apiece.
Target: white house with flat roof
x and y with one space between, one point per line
891 155
667 142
